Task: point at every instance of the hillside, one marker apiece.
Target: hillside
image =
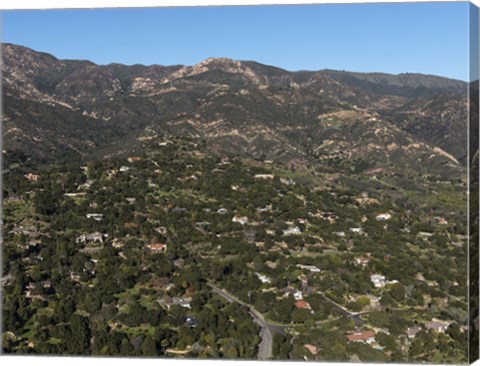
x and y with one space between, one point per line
238 107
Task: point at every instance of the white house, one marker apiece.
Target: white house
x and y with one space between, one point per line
264 176
242 220
298 295
263 278
383 217
292 231
380 281
312 269
95 216
356 230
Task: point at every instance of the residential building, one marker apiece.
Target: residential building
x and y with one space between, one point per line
362 337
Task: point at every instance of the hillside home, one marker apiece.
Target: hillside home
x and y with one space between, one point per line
383 217
95 216
179 210
302 304
157 247
264 176
362 337
287 181
92 237
242 220
438 325
412 331
312 269
362 261
184 303
356 230
379 281
263 278
292 231
32 177
267 208
311 348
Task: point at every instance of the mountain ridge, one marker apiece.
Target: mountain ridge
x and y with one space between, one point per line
240 107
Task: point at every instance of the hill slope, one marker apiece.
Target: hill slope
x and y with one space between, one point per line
63 108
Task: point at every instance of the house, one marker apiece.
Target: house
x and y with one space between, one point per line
340 233
438 325
362 337
380 281
439 221
225 161
157 247
75 194
356 230
184 303
161 230
95 216
412 331
186 179
124 168
312 269
191 321
264 209
179 210
362 261
133 159
311 348
366 200
263 278
383 217
287 181
93 237
264 176
287 291
32 177
327 215
302 304
292 231
242 220
298 295
117 244
424 234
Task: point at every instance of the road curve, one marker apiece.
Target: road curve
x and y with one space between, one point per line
265 347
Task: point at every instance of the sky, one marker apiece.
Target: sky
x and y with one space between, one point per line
429 38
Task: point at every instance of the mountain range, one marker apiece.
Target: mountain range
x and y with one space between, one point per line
331 120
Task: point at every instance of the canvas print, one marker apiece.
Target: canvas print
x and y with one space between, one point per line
244 182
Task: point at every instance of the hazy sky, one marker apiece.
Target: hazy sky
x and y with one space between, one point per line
429 38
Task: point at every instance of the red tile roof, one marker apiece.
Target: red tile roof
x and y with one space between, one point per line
361 336
301 304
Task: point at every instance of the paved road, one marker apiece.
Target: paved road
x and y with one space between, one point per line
355 316
268 330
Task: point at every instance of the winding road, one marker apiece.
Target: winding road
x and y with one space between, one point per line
268 330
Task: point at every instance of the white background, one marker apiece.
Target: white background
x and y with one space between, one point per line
50 4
